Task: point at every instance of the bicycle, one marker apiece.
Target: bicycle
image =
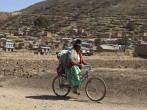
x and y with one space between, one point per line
95 87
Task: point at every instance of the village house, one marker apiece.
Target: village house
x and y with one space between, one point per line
1 35
2 40
144 38
26 31
65 40
111 41
44 50
35 33
141 49
107 48
144 34
87 51
18 33
90 41
55 43
104 35
116 35
8 45
18 44
87 45
34 46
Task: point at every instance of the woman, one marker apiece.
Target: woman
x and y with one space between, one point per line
75 59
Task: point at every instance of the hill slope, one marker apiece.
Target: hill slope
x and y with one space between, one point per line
94 16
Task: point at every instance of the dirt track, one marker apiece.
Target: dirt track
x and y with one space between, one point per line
124 92
126 89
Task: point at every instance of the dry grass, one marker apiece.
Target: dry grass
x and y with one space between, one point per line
31 56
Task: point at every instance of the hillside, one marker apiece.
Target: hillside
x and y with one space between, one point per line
95 16
4 16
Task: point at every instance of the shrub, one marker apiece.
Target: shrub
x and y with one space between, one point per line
41 22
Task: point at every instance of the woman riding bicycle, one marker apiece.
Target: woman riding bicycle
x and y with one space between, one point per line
75 59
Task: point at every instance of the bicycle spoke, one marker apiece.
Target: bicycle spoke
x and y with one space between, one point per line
93 86
59 86
95 89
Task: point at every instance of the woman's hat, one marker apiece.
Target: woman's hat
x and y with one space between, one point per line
78 42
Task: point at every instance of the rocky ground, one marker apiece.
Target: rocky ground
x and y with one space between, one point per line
25 83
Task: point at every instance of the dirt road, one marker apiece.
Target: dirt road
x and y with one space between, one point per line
34 99
125 91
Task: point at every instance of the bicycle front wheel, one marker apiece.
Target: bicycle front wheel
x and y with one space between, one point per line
95 89
60 86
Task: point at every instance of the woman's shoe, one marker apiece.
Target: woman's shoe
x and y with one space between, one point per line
75 92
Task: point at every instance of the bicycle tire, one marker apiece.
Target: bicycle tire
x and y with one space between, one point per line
57 87
96 85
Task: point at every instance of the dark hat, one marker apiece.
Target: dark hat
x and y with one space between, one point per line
78 41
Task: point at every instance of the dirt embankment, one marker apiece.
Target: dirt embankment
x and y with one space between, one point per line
28 68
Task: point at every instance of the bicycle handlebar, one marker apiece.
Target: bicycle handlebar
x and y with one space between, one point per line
89 66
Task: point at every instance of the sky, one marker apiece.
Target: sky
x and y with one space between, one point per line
16 5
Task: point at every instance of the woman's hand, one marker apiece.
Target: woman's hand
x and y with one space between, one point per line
79 65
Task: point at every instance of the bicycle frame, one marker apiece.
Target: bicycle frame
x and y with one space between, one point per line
87 73
84 76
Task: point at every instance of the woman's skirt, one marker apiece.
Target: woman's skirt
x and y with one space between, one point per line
73 76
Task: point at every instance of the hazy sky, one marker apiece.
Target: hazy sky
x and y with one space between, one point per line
15 5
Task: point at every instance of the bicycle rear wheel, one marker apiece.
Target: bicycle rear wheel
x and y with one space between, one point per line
60 86
95 89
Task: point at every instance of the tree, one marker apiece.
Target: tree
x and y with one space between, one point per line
41 22
97 41
123 41
130 26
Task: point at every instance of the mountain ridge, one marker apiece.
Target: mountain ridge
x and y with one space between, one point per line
95 16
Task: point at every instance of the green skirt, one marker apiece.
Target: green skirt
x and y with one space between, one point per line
73 76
